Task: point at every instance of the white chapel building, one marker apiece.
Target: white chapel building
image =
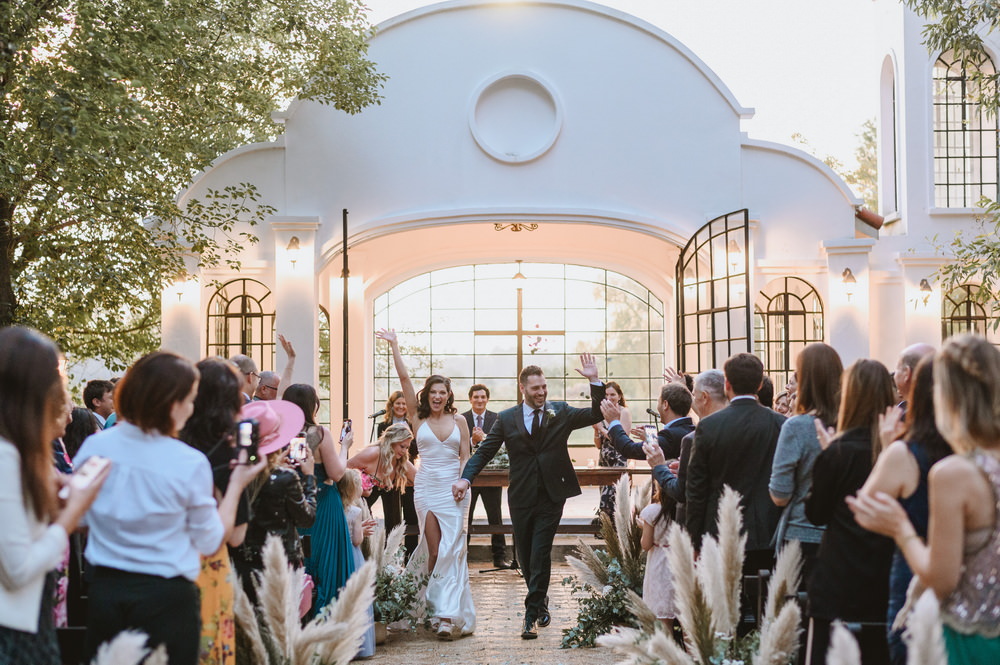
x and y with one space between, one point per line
616 180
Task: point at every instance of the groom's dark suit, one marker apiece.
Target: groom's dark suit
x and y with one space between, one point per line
541 479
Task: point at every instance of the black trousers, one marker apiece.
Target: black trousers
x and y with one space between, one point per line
491 502
167 610
398 508
534 530
871 640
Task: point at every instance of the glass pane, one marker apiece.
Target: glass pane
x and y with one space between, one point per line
463 343
496 319
490 344
494 293
456 295
585 319
584 294
496 366
543 319
452 320
544 294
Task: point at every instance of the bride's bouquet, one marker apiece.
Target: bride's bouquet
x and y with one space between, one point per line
397 589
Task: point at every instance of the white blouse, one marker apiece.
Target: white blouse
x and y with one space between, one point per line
28 548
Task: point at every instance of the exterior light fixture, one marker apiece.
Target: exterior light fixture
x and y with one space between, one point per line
293 250
519 274
735 254
850 282
925 290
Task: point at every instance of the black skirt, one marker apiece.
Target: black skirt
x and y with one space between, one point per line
42 648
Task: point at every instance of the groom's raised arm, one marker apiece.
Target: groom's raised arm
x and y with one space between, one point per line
585 417
485 452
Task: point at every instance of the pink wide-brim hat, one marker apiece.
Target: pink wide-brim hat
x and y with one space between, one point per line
278 421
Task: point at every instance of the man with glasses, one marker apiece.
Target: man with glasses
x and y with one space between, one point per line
267 388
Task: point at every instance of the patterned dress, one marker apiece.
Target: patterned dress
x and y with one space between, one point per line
218 631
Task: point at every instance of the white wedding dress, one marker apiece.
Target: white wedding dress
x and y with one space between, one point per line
447 590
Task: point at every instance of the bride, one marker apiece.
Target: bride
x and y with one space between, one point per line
443 443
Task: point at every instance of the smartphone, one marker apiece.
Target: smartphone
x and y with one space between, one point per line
85 474
650 431
248 438
345 429
297 449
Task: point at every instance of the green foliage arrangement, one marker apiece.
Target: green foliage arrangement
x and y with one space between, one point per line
112 107
397 589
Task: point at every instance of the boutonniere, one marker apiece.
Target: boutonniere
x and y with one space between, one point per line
551 413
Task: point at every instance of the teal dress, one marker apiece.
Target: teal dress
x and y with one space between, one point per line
331 557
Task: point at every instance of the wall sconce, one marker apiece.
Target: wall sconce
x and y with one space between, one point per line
735 255
925 291
850 282
178 288
293 250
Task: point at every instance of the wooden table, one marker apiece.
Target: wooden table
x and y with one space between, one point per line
598 475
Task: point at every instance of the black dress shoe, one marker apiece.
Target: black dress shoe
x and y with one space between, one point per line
501 563
544 618
529 632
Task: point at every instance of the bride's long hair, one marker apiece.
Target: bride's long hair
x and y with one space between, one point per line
392 435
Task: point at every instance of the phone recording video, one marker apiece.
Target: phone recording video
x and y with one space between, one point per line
345 429
297 448
248 438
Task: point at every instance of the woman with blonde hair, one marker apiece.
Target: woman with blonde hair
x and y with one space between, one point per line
387 464
850 581
962 554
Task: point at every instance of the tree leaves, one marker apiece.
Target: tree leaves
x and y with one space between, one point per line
110 108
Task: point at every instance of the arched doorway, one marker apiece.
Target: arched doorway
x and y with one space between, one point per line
482 323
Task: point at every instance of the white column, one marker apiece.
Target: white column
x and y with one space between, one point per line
181 320
849 304
296 303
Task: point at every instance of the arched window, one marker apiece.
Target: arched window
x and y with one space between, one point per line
963 312
788 315
241 320
887 138
965 135
477 324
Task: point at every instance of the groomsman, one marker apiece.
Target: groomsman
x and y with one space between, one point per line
481 421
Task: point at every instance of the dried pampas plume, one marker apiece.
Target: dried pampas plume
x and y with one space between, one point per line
786 579
127 648
923 636
843 647
274 634
779 640
640 649
732 545
337 636
693 612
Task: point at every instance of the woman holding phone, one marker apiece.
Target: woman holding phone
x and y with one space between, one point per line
156 515
35 530
331 559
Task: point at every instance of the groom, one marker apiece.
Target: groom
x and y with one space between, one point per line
541 475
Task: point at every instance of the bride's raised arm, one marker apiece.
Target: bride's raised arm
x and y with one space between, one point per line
409 394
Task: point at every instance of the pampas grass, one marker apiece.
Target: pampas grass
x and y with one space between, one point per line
127 648
923 635
843 647
785 580
707 595
693 612
274 635
732 545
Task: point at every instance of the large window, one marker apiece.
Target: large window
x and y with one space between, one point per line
478 324
963 312
965 135
788 315
241 320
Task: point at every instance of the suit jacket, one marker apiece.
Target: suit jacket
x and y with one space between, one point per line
489 418
669 438
673 485
735 447
540 461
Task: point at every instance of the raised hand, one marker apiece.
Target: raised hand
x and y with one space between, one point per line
824 434
654 454
589 367
388 335
890 426
287 346
671 375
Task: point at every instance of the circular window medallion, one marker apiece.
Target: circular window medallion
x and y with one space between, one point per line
515 118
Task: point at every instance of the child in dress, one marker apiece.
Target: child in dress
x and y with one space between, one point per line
657 585
351 490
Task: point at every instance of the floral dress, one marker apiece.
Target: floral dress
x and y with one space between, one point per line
218 632
609 456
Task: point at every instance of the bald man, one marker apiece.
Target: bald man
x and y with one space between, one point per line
908 359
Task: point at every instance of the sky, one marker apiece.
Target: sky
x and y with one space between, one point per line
805 66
